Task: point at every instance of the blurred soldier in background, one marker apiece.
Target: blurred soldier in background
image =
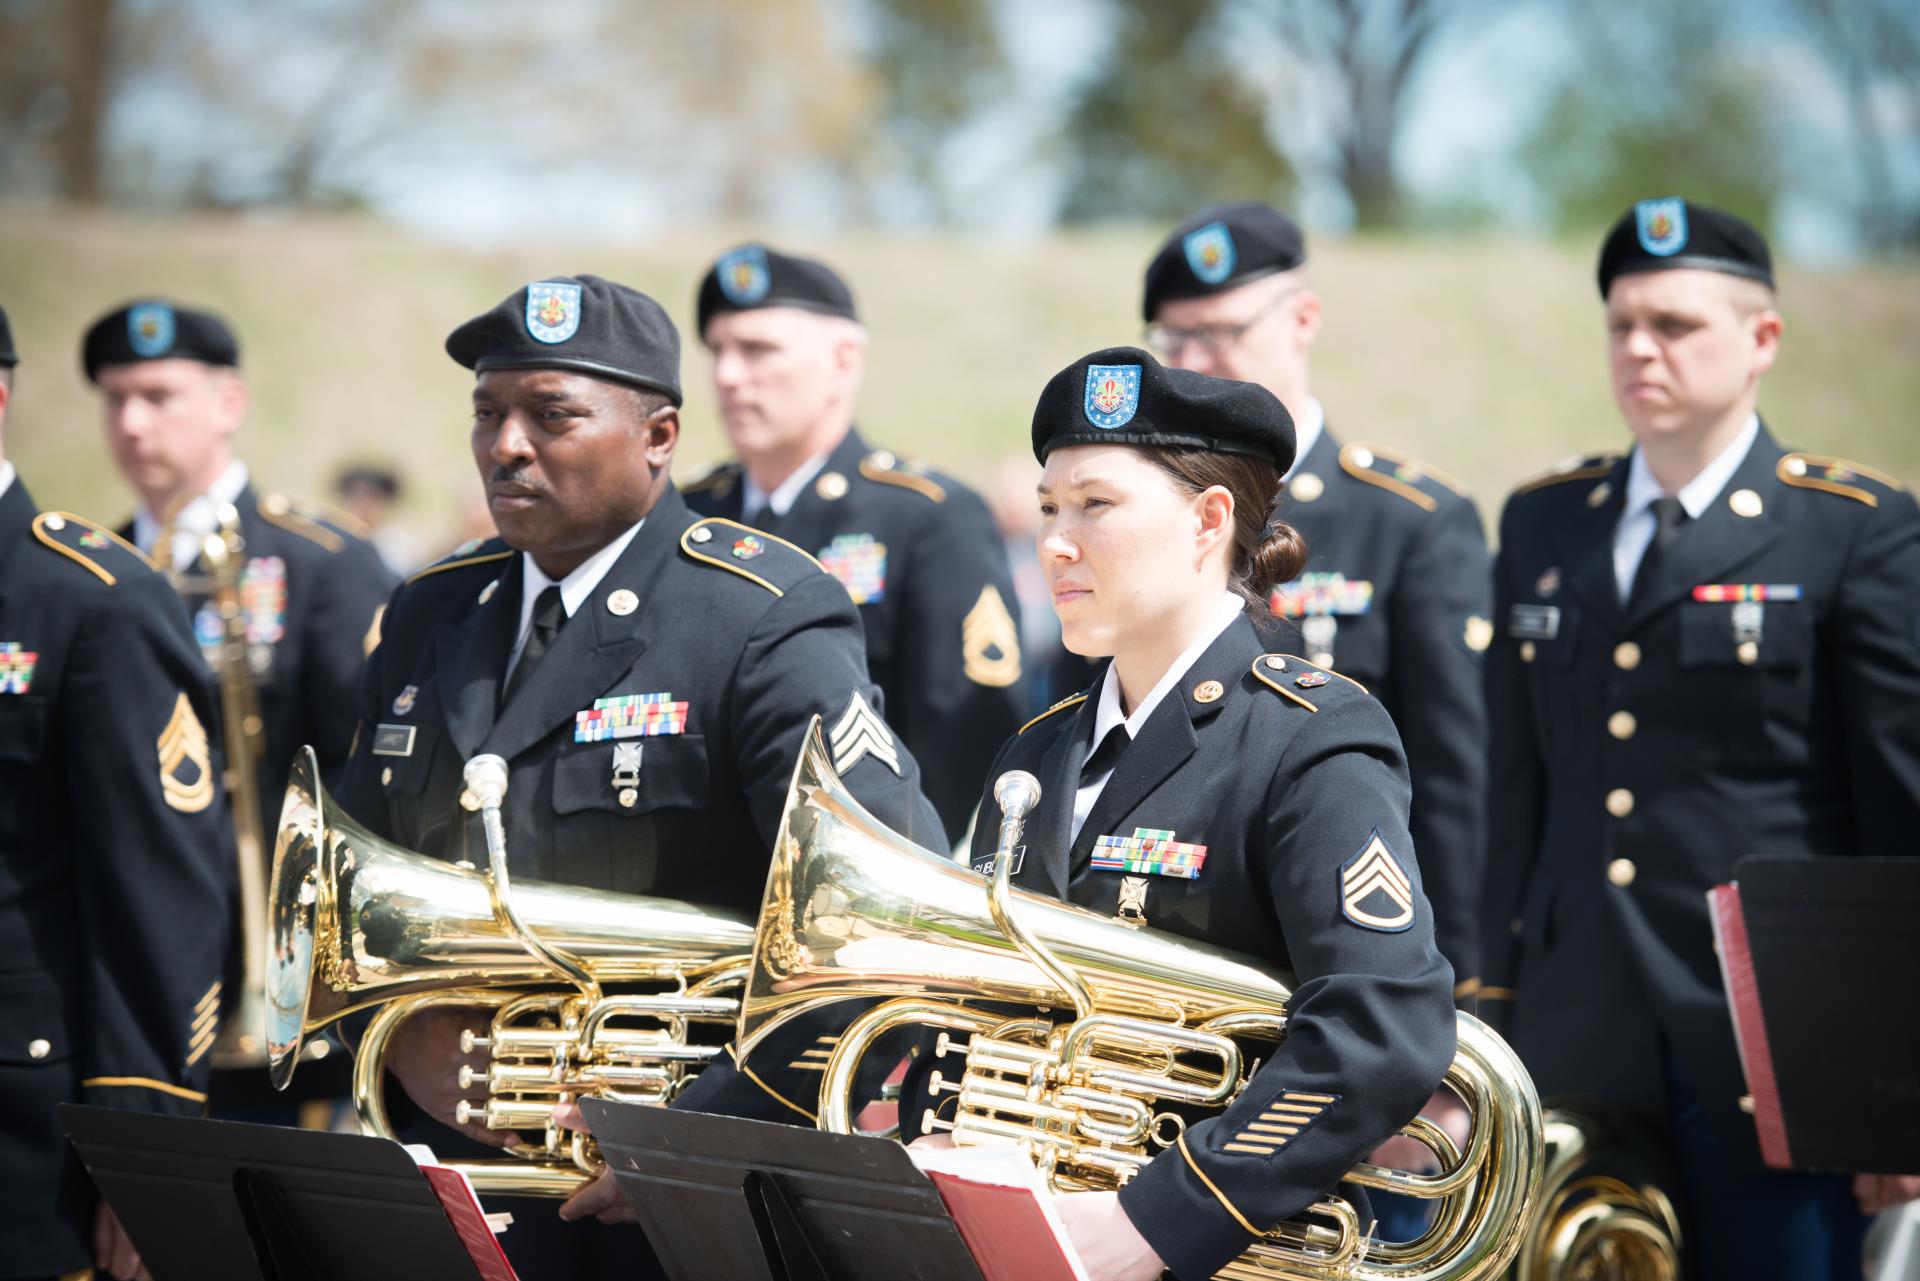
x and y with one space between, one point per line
1705 649
116 864
915 549
308 588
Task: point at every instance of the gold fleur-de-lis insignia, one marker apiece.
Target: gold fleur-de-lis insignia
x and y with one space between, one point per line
184 743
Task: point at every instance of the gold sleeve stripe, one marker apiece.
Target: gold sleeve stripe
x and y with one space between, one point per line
277 509
1392 484
1218 1195
1256 1149
142 1083
777 1096
1329 671
872 470
1060 706
431 570
207 1002
1491 993
1466 988
1276 686
1309 1098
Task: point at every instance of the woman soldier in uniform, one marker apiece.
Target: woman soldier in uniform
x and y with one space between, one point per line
1275 793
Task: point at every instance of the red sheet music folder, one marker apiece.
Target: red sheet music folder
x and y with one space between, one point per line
1749 1024
995 1199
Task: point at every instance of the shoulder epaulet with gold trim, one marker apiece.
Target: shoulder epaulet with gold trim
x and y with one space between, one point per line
719 481
1397 473
1591 467
462 557
1835 476
754 555
1060 706
883 467
311 523
1279 671
96 548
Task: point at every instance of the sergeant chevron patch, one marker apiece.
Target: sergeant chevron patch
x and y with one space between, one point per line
1286 1117
184 742
989 642
860 732
1374 890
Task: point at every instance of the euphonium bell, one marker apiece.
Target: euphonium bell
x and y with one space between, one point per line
355 921
1112 1023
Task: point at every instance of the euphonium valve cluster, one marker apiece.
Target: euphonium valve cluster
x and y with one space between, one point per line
1113 1032
582 992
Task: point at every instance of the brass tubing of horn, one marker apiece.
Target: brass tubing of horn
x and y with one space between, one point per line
508 1177
837 1108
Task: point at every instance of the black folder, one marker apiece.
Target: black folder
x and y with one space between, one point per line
1825 1008
726 1199
225 1201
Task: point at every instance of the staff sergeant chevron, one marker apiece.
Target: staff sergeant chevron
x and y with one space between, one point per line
859 733
1374 890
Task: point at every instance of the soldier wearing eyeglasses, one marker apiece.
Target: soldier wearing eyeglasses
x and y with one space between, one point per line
1394 592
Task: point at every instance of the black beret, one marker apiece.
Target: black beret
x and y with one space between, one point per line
583 323
157 330
754 276
1221 248
1123 396
1659 235
8 356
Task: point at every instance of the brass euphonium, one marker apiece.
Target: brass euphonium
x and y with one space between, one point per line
1604 1213
1113 1021
241 1040
357 921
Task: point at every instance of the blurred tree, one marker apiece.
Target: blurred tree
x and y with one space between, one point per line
1163 124
937 64
1870 44
57 74
1661 103
1347 71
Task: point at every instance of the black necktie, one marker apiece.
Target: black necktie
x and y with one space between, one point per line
1105 756
548 613
1668 518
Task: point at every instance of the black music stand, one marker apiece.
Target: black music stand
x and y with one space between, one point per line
726 1199
225 1201
1819 956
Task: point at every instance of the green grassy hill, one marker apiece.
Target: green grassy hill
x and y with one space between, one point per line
1483 356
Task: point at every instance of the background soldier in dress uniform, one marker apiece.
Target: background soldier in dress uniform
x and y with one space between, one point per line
916 550
1394 593
1273 791
173 398
1705 650
116 864
608 606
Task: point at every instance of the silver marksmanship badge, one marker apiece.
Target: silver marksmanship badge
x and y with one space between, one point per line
626 773
1319 631
1133 901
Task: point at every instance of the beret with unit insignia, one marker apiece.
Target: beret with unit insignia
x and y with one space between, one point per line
586 324
754 276
1660 235
1123 396
1221 248
157 330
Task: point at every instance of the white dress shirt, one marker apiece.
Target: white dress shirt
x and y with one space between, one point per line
574 588
6 478
194 522
753 499
1107 713
1634 533
1306 431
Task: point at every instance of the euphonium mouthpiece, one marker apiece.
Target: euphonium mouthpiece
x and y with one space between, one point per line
1016 792
486 777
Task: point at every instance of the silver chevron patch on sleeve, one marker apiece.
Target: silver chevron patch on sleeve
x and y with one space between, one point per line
860 732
